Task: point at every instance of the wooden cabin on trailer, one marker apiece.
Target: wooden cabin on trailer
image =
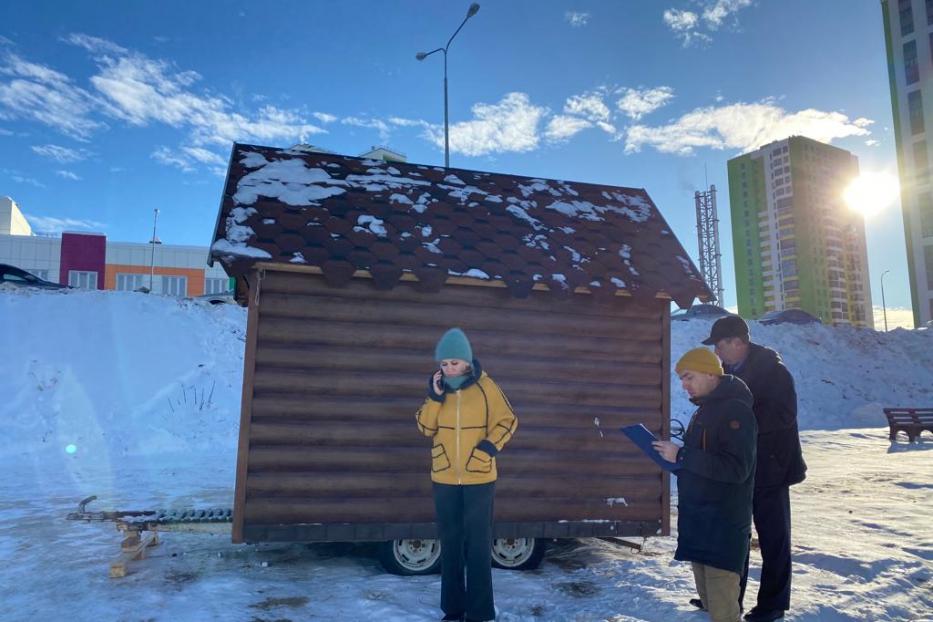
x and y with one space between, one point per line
353 268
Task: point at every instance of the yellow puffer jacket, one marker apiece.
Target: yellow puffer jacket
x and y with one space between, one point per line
469 427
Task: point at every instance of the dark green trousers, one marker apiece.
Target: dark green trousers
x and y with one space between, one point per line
464 522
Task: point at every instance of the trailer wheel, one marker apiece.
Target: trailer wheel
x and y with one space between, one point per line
517 553
411 556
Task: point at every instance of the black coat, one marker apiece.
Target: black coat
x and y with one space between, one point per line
716 478
780 459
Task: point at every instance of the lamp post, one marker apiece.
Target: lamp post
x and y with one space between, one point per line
884 308
423 55
155 220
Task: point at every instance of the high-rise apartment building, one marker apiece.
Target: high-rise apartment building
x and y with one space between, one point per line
796 244
908 29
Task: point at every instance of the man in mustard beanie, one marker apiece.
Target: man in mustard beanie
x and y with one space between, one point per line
715 481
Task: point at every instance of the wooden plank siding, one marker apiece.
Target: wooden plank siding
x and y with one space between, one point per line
335 375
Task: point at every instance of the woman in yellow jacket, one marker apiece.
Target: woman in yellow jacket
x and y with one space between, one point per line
470 421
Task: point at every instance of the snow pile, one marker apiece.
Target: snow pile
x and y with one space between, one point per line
135 398
844 376
113 374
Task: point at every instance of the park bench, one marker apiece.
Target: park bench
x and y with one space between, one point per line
911 421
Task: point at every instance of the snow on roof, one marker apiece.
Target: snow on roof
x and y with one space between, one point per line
468 223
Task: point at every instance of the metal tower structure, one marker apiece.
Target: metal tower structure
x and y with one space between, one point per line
708 242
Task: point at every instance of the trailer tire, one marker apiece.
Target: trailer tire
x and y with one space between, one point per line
411 556
518 553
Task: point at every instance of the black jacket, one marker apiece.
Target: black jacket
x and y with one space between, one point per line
716 479
780 459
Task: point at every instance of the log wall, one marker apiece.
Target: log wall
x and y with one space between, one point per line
334 376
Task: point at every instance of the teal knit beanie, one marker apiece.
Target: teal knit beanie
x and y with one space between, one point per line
454 345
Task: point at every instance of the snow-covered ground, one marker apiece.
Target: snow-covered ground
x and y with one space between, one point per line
135 399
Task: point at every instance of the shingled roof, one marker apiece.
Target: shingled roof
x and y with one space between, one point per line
395 220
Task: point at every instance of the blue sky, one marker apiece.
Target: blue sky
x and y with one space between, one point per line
109 109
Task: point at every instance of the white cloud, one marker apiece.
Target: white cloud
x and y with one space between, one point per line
36 92
508 126
323 117
21 179
67 175
577 19
589 105
51 224
680 21
60 154
203 155
167 156
871 142
636 103
140 90
715 14
561 127
29 181
609 128
95 45
402 122
188 158
4 132
743 127
691 27
376 124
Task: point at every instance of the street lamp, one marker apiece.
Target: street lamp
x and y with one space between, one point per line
153 242
884 308
423 55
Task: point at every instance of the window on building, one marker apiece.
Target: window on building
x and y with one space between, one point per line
928 256
929 12
42 274
216 285
82 279
921 161
131 282
906 14
174 285
925 211
911 67
915 109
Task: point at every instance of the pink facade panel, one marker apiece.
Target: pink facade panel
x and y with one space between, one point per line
84 253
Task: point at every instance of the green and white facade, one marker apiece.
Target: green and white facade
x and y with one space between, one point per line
908 29
796 244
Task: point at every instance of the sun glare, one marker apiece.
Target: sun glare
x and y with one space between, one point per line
869 193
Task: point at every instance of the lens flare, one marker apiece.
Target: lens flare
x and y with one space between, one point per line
70 448
869 193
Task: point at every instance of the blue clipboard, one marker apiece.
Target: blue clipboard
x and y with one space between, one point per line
642 437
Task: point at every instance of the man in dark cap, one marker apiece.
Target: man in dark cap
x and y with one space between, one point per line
780 460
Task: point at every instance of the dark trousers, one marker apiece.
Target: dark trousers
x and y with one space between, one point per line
464 522
771 511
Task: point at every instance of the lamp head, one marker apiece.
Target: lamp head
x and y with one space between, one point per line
474 8
421 55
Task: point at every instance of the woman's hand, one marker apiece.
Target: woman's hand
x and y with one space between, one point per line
438 384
